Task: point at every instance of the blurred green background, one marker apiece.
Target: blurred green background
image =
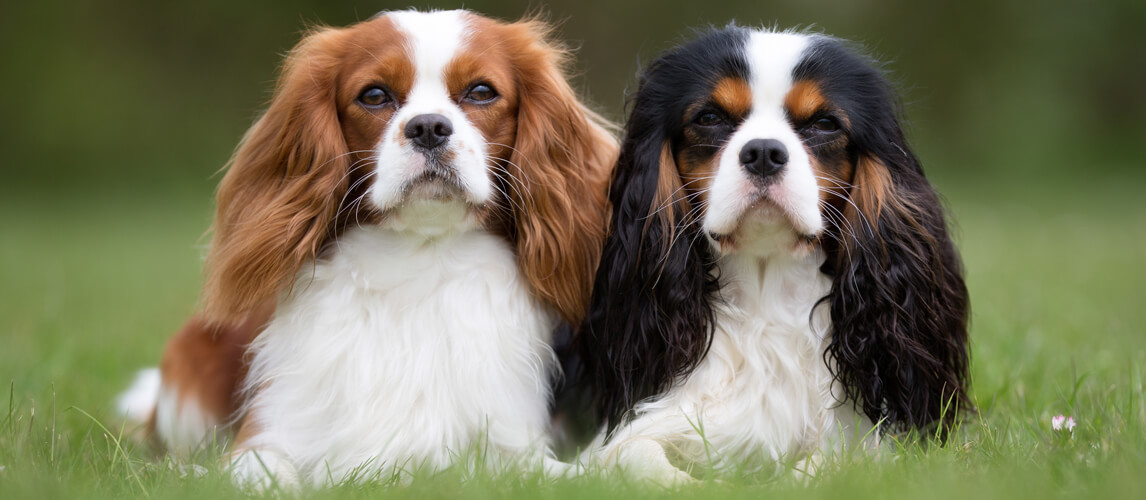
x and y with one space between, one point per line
138 95
117 115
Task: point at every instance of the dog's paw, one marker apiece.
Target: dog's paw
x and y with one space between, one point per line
674 478
263 470
645 460
555 469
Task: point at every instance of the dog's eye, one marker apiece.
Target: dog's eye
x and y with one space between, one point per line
826 125
481 93
708 119
373 97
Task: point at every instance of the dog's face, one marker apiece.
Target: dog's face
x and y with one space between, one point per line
433 98
763 142
423 123
743 149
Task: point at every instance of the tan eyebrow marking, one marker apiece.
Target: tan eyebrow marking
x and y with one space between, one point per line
803 100
733 95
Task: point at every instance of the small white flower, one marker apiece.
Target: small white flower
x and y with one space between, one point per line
1060 422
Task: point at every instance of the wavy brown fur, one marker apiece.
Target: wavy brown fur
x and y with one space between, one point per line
278 200
566 153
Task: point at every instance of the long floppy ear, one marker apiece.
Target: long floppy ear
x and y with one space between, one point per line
651 314
899 305
563 153
278 199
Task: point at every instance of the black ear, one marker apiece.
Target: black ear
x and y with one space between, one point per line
899 306
651 313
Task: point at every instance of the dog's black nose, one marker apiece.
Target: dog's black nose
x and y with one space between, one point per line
429 131
764 157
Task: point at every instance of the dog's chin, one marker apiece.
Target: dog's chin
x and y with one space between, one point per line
432 218
433 205
764 229
432 186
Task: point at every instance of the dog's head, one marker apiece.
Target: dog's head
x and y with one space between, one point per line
420 122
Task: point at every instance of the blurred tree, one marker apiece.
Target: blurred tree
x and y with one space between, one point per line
155 95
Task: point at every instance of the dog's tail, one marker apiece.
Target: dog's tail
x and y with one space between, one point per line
191 400
137 404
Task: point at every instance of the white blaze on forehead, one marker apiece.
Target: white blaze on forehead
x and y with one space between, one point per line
432 40
771 59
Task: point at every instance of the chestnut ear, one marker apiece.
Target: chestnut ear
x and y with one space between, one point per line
278 199
899 306
652 313
561 158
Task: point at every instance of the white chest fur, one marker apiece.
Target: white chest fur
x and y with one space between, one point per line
399 352
764 391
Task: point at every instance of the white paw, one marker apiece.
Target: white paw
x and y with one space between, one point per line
645 460
674 478
263 470
805 468
556 469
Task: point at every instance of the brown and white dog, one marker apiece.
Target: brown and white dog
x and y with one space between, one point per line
397 237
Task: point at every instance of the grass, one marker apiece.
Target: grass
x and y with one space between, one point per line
91 285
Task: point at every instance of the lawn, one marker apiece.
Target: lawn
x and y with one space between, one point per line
92 282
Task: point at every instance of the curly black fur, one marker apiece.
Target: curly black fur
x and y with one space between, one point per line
899 305
651 315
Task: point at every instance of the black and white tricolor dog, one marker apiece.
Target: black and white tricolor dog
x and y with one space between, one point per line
779 276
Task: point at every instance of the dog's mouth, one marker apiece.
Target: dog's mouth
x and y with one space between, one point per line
436 182
434 203
765 222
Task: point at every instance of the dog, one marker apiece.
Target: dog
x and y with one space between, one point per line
779 279
396 240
